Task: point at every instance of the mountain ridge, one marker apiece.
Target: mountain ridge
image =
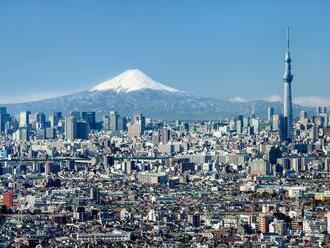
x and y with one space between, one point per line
134 91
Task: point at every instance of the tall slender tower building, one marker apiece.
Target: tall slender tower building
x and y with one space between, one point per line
287 79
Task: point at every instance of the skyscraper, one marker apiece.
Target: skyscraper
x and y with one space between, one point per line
140 120
24 119
54 118
122 123
70 128
4 117
114 118
82 129
287 79
270 114
137 128
90 118
40 120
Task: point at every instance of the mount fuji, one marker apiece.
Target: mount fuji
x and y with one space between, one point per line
133 91
132 80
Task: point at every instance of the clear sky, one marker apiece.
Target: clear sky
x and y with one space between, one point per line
219 48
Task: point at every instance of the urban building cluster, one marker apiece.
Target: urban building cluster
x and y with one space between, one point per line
133 181
130 181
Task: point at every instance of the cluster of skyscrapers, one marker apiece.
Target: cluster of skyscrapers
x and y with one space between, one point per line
76 125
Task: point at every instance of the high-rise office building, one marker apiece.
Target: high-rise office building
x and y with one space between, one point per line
278 125
70 128
114 121
106 122
4 117
54 118
239 127
24 119
239 124
90 118
82 129
40 120
323 116
137 128
122 123
140 120
255 123
40 117
270 114
246 122
287 106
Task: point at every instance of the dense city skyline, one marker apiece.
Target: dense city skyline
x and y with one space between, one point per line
57 48
190 135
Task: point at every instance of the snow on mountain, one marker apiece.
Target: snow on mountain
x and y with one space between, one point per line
132 80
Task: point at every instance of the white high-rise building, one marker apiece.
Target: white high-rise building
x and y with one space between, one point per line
270 112
24 119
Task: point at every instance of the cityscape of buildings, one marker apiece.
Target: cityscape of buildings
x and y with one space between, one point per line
77 180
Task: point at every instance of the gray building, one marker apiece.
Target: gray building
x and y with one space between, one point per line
70 128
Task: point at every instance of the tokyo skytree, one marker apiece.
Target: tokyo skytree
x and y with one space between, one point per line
287 105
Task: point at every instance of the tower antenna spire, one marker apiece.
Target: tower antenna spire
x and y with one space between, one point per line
288 38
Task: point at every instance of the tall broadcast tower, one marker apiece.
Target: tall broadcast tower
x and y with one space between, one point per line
287 106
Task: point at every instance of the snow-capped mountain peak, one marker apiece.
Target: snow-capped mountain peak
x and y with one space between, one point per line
132 80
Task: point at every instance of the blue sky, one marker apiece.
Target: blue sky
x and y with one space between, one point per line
222 49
